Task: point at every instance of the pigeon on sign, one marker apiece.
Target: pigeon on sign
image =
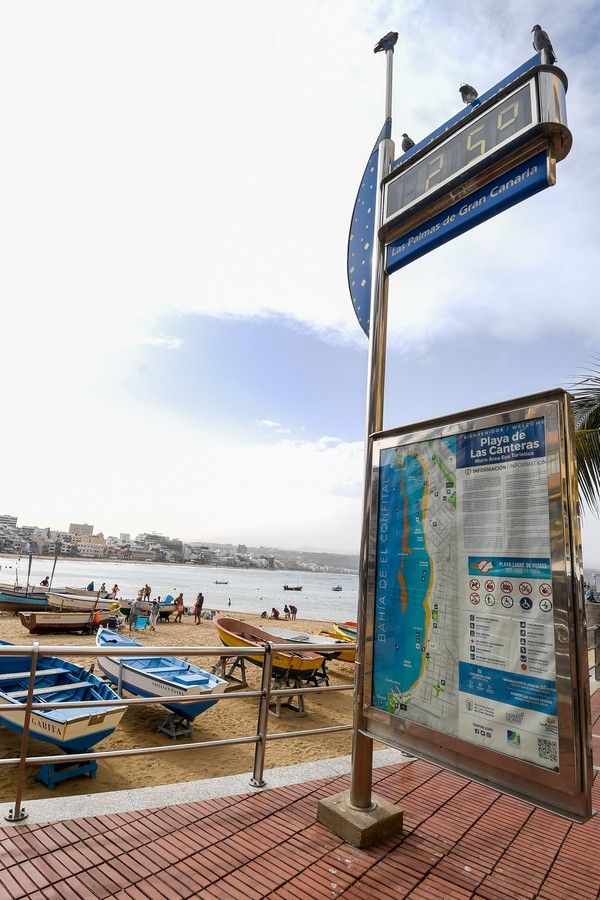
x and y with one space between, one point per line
387 42
543 45
407 143
468 93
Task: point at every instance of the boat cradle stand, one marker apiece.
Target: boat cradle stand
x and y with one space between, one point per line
175 726
53 773
227 671
295 702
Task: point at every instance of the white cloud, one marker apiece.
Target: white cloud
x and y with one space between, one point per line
157 164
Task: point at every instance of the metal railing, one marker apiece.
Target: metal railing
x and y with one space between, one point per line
265 694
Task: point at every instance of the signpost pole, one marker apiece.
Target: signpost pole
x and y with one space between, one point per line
362 746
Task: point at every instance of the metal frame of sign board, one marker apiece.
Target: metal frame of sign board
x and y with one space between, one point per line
568 790
547 129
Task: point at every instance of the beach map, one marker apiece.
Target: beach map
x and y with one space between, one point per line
464 628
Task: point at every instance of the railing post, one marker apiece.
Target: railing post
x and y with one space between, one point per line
120 682
257 779
18 813
597 652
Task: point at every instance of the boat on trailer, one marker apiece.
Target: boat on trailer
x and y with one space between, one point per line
53 622
235 633
71 730
155 676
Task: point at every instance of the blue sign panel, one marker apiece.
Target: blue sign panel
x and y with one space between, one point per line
503 443
524 180
360 239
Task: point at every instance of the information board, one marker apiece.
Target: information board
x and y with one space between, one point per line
477 650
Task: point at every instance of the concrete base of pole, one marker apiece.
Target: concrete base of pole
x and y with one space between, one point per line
359 827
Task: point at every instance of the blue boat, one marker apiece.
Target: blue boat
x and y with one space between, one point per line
18 600
156 676
56 680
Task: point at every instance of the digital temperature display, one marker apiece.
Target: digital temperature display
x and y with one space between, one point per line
480 138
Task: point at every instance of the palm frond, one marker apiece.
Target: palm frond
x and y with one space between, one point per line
587 449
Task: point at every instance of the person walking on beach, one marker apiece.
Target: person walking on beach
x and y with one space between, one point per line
293 611
115 591
198 608
286 611
147 592
154 610
178 608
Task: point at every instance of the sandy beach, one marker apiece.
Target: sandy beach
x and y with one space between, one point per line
227 718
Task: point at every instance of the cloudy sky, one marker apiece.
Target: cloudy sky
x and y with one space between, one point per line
179 351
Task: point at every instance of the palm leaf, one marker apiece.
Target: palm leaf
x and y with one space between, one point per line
587 449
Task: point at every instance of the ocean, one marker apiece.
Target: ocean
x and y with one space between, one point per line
250 590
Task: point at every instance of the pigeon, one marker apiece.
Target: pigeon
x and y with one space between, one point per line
543 45
407 143
387 42
468 93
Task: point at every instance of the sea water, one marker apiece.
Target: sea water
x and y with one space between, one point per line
249 590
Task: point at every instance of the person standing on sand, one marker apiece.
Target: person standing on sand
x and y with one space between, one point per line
147 592
286 611
178 608
154 610
198 608
115 591
293 611
134 610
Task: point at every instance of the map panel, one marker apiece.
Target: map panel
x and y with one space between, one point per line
464 623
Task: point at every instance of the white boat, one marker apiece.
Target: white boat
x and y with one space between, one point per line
55 621
80 603
156 676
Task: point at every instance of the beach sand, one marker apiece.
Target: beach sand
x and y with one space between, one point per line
227 718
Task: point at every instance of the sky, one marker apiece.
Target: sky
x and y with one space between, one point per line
179 349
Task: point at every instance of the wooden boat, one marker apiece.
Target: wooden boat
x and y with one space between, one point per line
338 587
54 622
83 592
345 655
165 608
221 582
149 676
345 631
17 601
281 635
235 633
80 603
56 680
289 587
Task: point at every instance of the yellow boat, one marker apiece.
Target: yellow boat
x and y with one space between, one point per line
235 633
345 655
343 633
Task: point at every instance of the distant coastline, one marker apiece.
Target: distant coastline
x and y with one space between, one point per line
188 565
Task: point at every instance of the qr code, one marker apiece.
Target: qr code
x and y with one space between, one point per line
547 749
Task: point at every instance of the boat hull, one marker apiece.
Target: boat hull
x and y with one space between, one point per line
13 602
71 730
57 622
73 603
154 684
345 655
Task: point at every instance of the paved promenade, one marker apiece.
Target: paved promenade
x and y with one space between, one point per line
460 841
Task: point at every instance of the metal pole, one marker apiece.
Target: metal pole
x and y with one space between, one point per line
120 681
257 779
17 814
362 746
